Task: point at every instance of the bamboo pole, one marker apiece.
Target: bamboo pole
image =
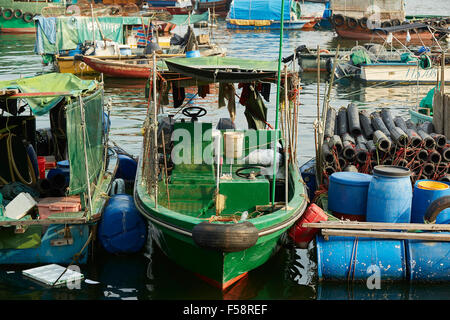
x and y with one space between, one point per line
155 129
386 235
376 225
280 51
287 142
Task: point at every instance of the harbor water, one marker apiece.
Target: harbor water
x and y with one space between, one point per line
290 274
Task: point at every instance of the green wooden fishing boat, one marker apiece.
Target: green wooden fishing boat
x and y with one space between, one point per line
17 16
208 202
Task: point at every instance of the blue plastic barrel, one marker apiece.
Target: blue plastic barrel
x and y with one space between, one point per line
122 228
428 260
193 54
366 256
422 198
390 195
127 168
347 192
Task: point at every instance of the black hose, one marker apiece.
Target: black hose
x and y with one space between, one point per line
381 141
440 139
399 122
342 121
414 138
426 126
378 124
428 140
330 123
326 154
354 125
366 125
349 152
362 154
446 154
422 155
434 156
335 141
435 208
428 169
399 136
347 137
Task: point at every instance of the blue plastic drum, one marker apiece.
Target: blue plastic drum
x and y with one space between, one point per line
390 195
428 261
347 192
342 258
425 192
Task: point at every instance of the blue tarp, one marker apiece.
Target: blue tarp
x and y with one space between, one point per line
259 10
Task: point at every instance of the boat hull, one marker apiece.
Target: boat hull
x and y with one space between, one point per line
118 70
220 269
49 251
173 234
401 73
359 33
219 8
16 26
298 25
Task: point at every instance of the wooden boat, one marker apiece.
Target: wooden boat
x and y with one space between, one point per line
416 33
261 15
218 243
137 67
218 7
171 6
17 16
66 234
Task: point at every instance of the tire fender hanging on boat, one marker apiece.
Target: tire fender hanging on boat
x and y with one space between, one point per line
225 237
27 17
5 16
352 23
18 13
436 207
338 20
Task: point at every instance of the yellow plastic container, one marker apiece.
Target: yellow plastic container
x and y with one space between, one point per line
432 185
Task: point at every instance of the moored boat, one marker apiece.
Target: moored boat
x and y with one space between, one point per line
199 208
217 7
65 170
17 16
263 15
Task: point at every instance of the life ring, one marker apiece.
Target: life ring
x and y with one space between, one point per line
324 51
27 17
435 208
82 65
18 13
386 24
363 22
338 20
225 237
352 23
11 14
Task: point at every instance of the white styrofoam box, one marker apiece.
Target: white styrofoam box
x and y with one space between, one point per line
49 273
19 206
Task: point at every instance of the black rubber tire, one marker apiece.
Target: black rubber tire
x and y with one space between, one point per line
225 237
352 23
19 12
442 24
27 14
5 16
396 22
386 24
338 20
363 22
435 208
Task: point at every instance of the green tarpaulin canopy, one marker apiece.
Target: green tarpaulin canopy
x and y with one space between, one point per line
185 19
54 82
226 63
65 33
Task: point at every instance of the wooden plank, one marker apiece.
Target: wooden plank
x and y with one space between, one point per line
438 112
376 226
43 222
386 235
446 116
40 94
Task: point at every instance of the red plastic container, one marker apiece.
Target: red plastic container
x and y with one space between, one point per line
51 205
302 235
41 165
